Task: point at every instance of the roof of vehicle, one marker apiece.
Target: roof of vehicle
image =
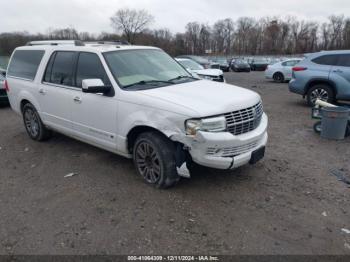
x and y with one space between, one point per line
335 51
326 52
72 46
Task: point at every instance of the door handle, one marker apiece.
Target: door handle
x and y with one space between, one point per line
77 99
337 71
42 91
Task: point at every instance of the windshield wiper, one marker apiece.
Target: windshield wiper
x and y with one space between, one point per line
148 82
181 77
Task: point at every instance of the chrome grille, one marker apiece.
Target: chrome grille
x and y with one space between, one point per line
244 120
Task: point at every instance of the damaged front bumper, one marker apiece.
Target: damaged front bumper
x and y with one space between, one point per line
226 151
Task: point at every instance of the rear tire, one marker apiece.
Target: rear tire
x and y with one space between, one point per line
323 92
278 77
33 124
154 159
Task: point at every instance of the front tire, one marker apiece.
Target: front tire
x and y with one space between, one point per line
322 92
154 159
33 124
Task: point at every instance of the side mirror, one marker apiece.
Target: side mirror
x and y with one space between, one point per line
95 86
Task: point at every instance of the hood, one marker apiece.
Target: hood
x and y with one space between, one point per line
205 97
209 72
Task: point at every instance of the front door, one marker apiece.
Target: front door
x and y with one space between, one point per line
94 115
340 75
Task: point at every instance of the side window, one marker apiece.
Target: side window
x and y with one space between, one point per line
326 60
344 60
25 63
62 68
48 71
291 63
90 67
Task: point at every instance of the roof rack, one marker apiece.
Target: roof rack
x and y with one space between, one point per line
117 42
56 42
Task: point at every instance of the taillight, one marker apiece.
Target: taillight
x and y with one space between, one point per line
299 68
7 86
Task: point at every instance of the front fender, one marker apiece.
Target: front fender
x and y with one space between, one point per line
169 123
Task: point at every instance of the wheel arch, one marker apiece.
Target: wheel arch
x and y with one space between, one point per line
320 81
26 97
22 103
137 130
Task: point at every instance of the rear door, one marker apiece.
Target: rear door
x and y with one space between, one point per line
340 75
58 90
94 115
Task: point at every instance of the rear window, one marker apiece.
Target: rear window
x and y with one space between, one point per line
24 64
326 60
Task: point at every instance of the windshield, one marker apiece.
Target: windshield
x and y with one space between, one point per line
151 67
241 62
191 64
200 60
220 60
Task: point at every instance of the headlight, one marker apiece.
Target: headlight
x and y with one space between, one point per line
205 77
212 124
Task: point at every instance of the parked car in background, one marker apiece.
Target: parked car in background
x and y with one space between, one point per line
240 65
324 75
274 60
3 93
198 59
281 71
259 64
3 72
222 62
198 70
137 102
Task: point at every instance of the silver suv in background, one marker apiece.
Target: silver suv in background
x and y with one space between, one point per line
324 75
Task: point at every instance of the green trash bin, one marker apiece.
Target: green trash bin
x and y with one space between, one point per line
334 122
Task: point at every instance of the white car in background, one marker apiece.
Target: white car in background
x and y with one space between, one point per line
281 71
198 70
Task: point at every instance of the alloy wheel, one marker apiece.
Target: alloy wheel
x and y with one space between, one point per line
319 93
148 163
32 122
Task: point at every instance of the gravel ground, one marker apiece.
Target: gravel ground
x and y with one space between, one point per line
286 204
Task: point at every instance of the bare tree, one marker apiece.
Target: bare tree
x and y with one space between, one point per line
131 22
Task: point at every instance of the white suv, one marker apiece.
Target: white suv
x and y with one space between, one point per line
137 102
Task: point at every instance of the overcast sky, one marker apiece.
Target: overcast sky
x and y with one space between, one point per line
93 16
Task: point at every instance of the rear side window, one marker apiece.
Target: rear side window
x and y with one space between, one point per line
290 63
24 63
344 60
90 67
61 70
326 60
